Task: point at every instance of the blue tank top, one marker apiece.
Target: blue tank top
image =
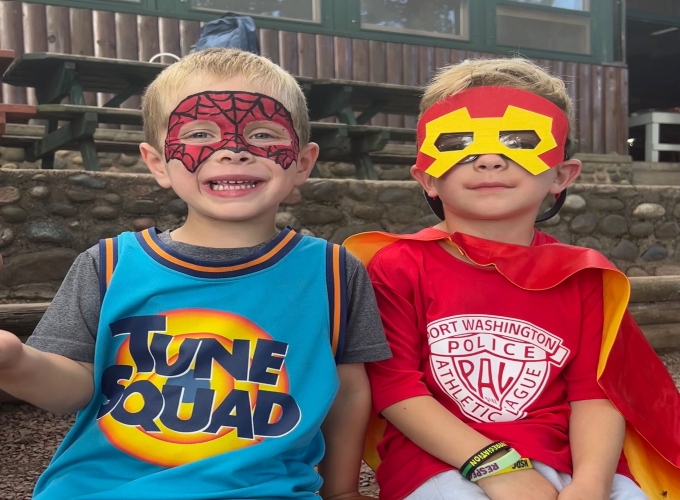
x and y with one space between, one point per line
211 379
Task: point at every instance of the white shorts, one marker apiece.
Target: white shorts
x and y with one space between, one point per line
450 485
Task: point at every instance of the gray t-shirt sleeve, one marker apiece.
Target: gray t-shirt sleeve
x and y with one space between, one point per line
365 338
69 326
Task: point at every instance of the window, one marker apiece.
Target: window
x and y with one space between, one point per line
521 28
298 10
444 18
560 4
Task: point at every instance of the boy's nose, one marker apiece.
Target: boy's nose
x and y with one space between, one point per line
233 156
490 162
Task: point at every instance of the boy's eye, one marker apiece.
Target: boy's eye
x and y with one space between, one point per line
262 135
199 135
454 142
524 139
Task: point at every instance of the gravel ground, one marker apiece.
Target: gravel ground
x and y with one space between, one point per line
29 436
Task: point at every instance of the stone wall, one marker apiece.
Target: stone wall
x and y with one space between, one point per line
48 217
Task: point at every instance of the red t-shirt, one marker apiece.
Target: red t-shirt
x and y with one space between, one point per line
504 360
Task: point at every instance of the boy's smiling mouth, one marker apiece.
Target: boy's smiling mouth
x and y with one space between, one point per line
233 183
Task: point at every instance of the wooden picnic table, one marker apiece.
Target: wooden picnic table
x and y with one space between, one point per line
56 77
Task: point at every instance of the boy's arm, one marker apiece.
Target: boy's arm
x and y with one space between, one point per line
596 431
49 381
344 430
54 369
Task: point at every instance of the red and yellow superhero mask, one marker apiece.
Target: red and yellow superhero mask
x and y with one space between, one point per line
232 112
520 125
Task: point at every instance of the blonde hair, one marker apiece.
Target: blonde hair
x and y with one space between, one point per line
161 97
515 72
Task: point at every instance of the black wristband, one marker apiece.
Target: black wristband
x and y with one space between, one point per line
476 460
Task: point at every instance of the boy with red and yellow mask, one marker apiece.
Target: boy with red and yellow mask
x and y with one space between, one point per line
514 360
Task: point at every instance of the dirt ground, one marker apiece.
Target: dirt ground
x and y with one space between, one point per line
29 436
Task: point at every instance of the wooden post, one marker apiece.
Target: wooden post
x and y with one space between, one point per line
35 35
58 29
82 41
188 35
147 36
170 40
104 46
12 37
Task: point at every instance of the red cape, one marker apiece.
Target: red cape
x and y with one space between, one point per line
629 371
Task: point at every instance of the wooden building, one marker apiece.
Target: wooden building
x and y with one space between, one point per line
396 41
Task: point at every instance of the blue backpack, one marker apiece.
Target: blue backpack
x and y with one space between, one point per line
230 30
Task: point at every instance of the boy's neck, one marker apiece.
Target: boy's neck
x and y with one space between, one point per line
212 233
516 231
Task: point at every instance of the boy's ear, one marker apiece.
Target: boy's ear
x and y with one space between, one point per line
567 172
156 164
305 164
425 180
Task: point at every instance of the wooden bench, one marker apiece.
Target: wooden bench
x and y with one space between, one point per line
654 302
6 59
15 113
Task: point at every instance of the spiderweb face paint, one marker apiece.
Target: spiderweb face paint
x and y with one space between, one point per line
232 112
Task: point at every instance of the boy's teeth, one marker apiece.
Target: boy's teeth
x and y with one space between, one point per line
232 185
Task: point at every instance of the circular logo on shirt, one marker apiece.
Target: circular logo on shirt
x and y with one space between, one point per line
193 383
493 367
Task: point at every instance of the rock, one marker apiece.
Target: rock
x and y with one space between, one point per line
38 267
13 214
649 211
399 173
320 191
368 212
141 189
35 291
307 232
104 212
342 169
561 234
552 221
625 250
142 207
9 194
128 160
311 216
605 204
177 207
357 190
293 198
87 181
63 209
286 219
104 231
395 195
112 198
671 193
76 160
667 271
613 225
641 229
583 224
39 192
48 232
403 214
606 189
10 166
13 154
667 230
590 242
6 237
655 253
574 203
143 223
634 272
429 220
342 233
676 211
79 196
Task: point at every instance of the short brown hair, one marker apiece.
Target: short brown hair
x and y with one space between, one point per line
513 72
161 96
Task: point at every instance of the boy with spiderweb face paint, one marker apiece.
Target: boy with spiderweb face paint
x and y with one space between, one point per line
514 360
223 359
